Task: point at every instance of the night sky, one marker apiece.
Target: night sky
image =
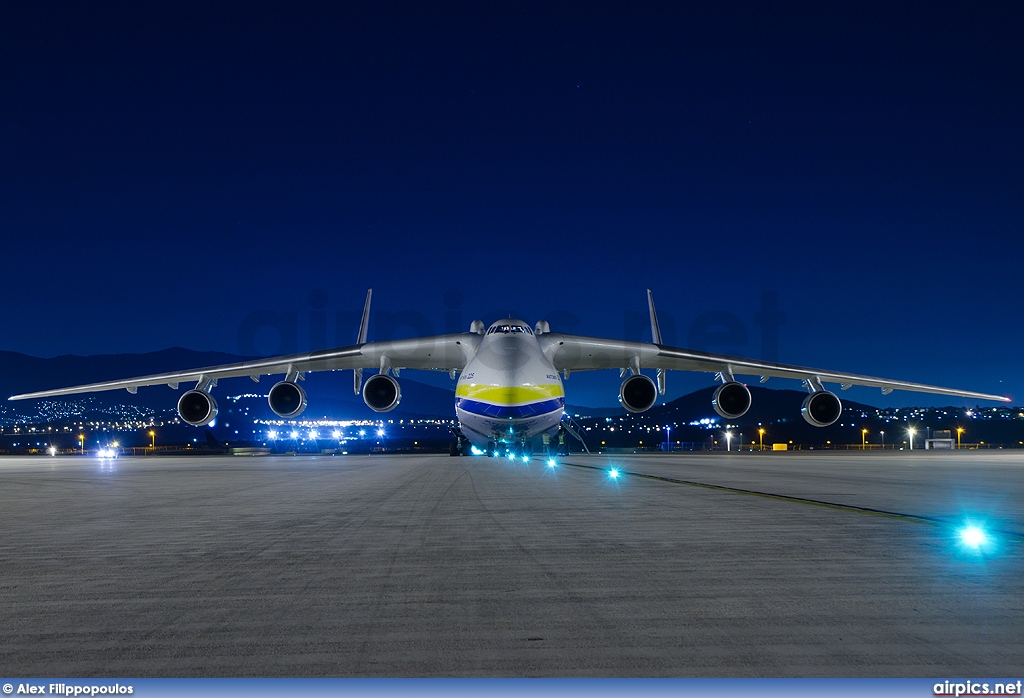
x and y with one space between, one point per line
233 177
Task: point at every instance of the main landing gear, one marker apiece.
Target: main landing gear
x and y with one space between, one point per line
459 446
506 450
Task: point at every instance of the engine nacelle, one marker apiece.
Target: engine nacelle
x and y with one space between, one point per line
731 400
638 393
197 407
381 393
821 409
287 399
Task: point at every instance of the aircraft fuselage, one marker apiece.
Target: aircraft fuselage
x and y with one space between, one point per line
508 391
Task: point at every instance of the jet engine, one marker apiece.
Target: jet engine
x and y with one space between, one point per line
638 393
731 400
287 399
197 407
821 409
381 393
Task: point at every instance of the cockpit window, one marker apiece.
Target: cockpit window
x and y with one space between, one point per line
510 329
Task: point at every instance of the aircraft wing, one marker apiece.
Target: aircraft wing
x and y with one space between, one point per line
443 352
576 353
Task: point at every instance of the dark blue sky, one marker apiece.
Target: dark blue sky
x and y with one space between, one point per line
185 174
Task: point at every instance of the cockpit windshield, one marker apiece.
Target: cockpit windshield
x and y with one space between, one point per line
509 329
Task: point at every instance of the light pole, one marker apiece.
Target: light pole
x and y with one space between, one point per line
728 440
668 438
911 432
81 437
882 435
760 433
959 431
152 439
863 439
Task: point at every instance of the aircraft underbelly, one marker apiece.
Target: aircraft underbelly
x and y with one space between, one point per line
479 430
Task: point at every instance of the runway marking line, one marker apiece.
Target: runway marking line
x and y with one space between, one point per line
917 518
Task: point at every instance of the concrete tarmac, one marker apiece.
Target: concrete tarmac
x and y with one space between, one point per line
438 566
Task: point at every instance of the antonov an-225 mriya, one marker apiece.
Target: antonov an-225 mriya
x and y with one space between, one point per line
509 378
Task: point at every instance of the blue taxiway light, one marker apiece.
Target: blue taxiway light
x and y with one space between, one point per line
973 537
526 459
511 456
613 473
552 463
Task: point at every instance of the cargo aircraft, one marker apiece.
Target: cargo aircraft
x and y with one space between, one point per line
510 378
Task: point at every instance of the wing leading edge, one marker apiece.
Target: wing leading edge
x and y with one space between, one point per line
576 353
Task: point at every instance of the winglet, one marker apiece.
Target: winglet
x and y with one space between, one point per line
364 324
656 338
655 329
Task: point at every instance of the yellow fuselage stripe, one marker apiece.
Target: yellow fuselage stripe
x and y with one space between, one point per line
509 395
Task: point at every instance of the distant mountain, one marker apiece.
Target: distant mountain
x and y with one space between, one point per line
766 405
778 411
